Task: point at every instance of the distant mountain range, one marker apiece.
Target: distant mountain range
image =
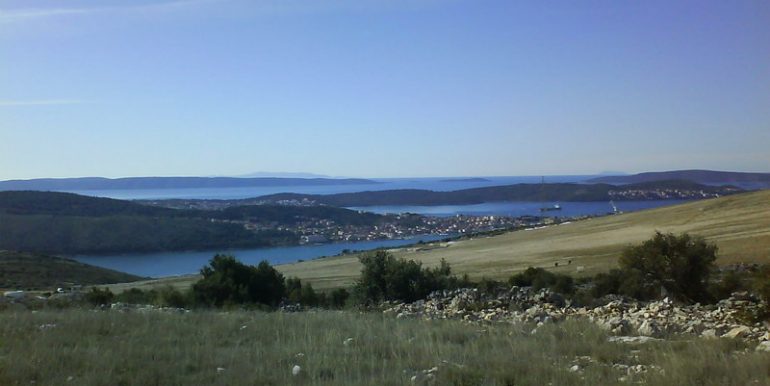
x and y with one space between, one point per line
99 183
283 175
699 176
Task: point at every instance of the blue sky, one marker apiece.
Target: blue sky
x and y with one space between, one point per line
374 88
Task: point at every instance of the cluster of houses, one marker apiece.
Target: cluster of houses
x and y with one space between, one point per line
317 231
661 194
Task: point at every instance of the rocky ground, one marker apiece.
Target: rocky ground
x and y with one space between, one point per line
730 318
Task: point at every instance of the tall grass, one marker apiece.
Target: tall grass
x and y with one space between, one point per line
254 348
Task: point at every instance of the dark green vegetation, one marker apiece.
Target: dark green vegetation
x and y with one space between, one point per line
117 234
518 192
538 278
227 281
385 277
680 264
256 348
666 265
293 215
699 176
98 183
67 223
29 271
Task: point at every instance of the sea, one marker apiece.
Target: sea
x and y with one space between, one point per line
429 183
164 264
182 263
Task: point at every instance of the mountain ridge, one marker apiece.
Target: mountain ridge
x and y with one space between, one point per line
701 176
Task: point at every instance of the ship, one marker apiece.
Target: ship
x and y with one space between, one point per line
542 198
550 208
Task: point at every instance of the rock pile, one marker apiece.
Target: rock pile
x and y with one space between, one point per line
126 307
730 318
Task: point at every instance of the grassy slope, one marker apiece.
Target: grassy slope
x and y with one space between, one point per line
32 271
739 224
255 348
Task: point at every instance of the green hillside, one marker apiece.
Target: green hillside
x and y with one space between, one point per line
65 223
30 271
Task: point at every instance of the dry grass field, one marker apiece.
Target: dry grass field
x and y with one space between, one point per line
739 225
89 347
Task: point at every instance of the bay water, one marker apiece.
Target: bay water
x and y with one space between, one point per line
180 263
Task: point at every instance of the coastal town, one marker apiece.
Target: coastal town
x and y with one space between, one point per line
319 231
667 194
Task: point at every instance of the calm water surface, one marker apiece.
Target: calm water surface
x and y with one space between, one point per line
432 183
182 263
519 208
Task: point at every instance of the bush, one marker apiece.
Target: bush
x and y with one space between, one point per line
489 286
564 284
539 278
136 296
99 297
761 283
227 281
294 290
679 264
732 281
339 298
169 296
385 277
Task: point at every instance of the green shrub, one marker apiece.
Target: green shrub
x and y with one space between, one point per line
680 264
303 294
761 287
564 284
623 282
731 281
539 278
489 286
99 297
227 281
169 296
136 296
385 277
338 298
294 290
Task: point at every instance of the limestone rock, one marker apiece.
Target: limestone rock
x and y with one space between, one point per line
737 332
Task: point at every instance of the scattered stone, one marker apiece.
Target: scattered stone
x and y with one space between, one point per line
764 346
710 333
348 342
649 328
220 369
632 339
296 370
618 315
738 332
574 368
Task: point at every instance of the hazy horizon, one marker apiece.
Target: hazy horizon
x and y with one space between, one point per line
382 89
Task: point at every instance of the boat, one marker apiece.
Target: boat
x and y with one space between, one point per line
550 208
542 198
